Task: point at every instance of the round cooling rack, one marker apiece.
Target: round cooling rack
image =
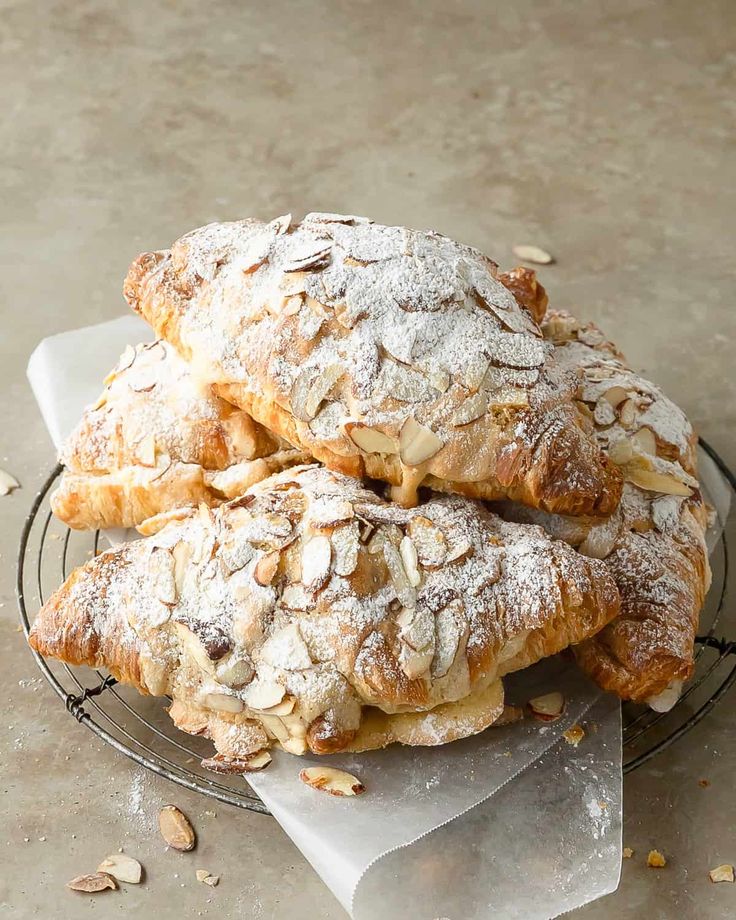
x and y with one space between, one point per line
139 727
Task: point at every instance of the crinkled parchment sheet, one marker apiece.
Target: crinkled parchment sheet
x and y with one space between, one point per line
512 823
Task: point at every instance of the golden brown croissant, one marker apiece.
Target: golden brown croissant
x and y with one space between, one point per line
382 352
311 613
654 544
157 439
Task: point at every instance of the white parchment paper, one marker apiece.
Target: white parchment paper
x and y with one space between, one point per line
512 823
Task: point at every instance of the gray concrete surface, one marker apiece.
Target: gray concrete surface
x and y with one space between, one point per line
601 131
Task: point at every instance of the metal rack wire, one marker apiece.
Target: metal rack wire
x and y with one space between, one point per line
138 726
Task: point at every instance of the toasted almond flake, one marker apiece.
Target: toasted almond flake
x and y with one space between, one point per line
548 707
574 735
656 860
265 569
510 715
235 554
286 649
470 410
264 694
603 413
627 853
644 441
404 590
620 452
7 483
284 708
221 702
345 549
311 254
162 568
319 388
416 628
428 540
316 562
534 254
601 538
281 224
122 867
627 413
409 559
328 779
146 450
211 880
234 673
439 379
237 765
92 884
176 828
415 663
330 511
722 873
369 439
201 874
417 443
653 481
615 395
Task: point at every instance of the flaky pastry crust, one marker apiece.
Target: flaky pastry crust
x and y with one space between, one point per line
382 352
309 612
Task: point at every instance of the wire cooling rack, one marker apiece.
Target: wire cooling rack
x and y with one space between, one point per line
139 727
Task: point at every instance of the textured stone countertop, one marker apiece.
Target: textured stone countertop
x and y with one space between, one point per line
601 132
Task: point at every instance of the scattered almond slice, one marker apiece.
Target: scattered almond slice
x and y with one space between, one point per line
615 396
265 569
656 860
122 867
207 878
409 559
91 884
470 410
253 764
176 829
548 707
417 443
429 541
627 413
722 873
627 853
404 590
574 735
532 254
644 441
221 702
7 483
264 694
369 439
653 481
335 782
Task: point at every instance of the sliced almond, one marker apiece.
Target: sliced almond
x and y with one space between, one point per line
656 860
615 395
450 635
265 569
470 410
644 441
534 254
404 589
328 779
286 649
91 884
603 413
162 569
176 829
548 707
181 554
409 559
345 549
417 443
416 628
284 708
309 255
156 522
620 452
234 672
221 702
574 735
235 554
439 379
369 439
318 390
627 413
122 867
7 483
428 540
201 874
211 880
415 663
316 562
653 481
722 873
264 694
329 511
145 450
601 538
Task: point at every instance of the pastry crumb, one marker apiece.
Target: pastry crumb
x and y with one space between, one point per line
704 783
627 853
574 735
722 873
656 860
